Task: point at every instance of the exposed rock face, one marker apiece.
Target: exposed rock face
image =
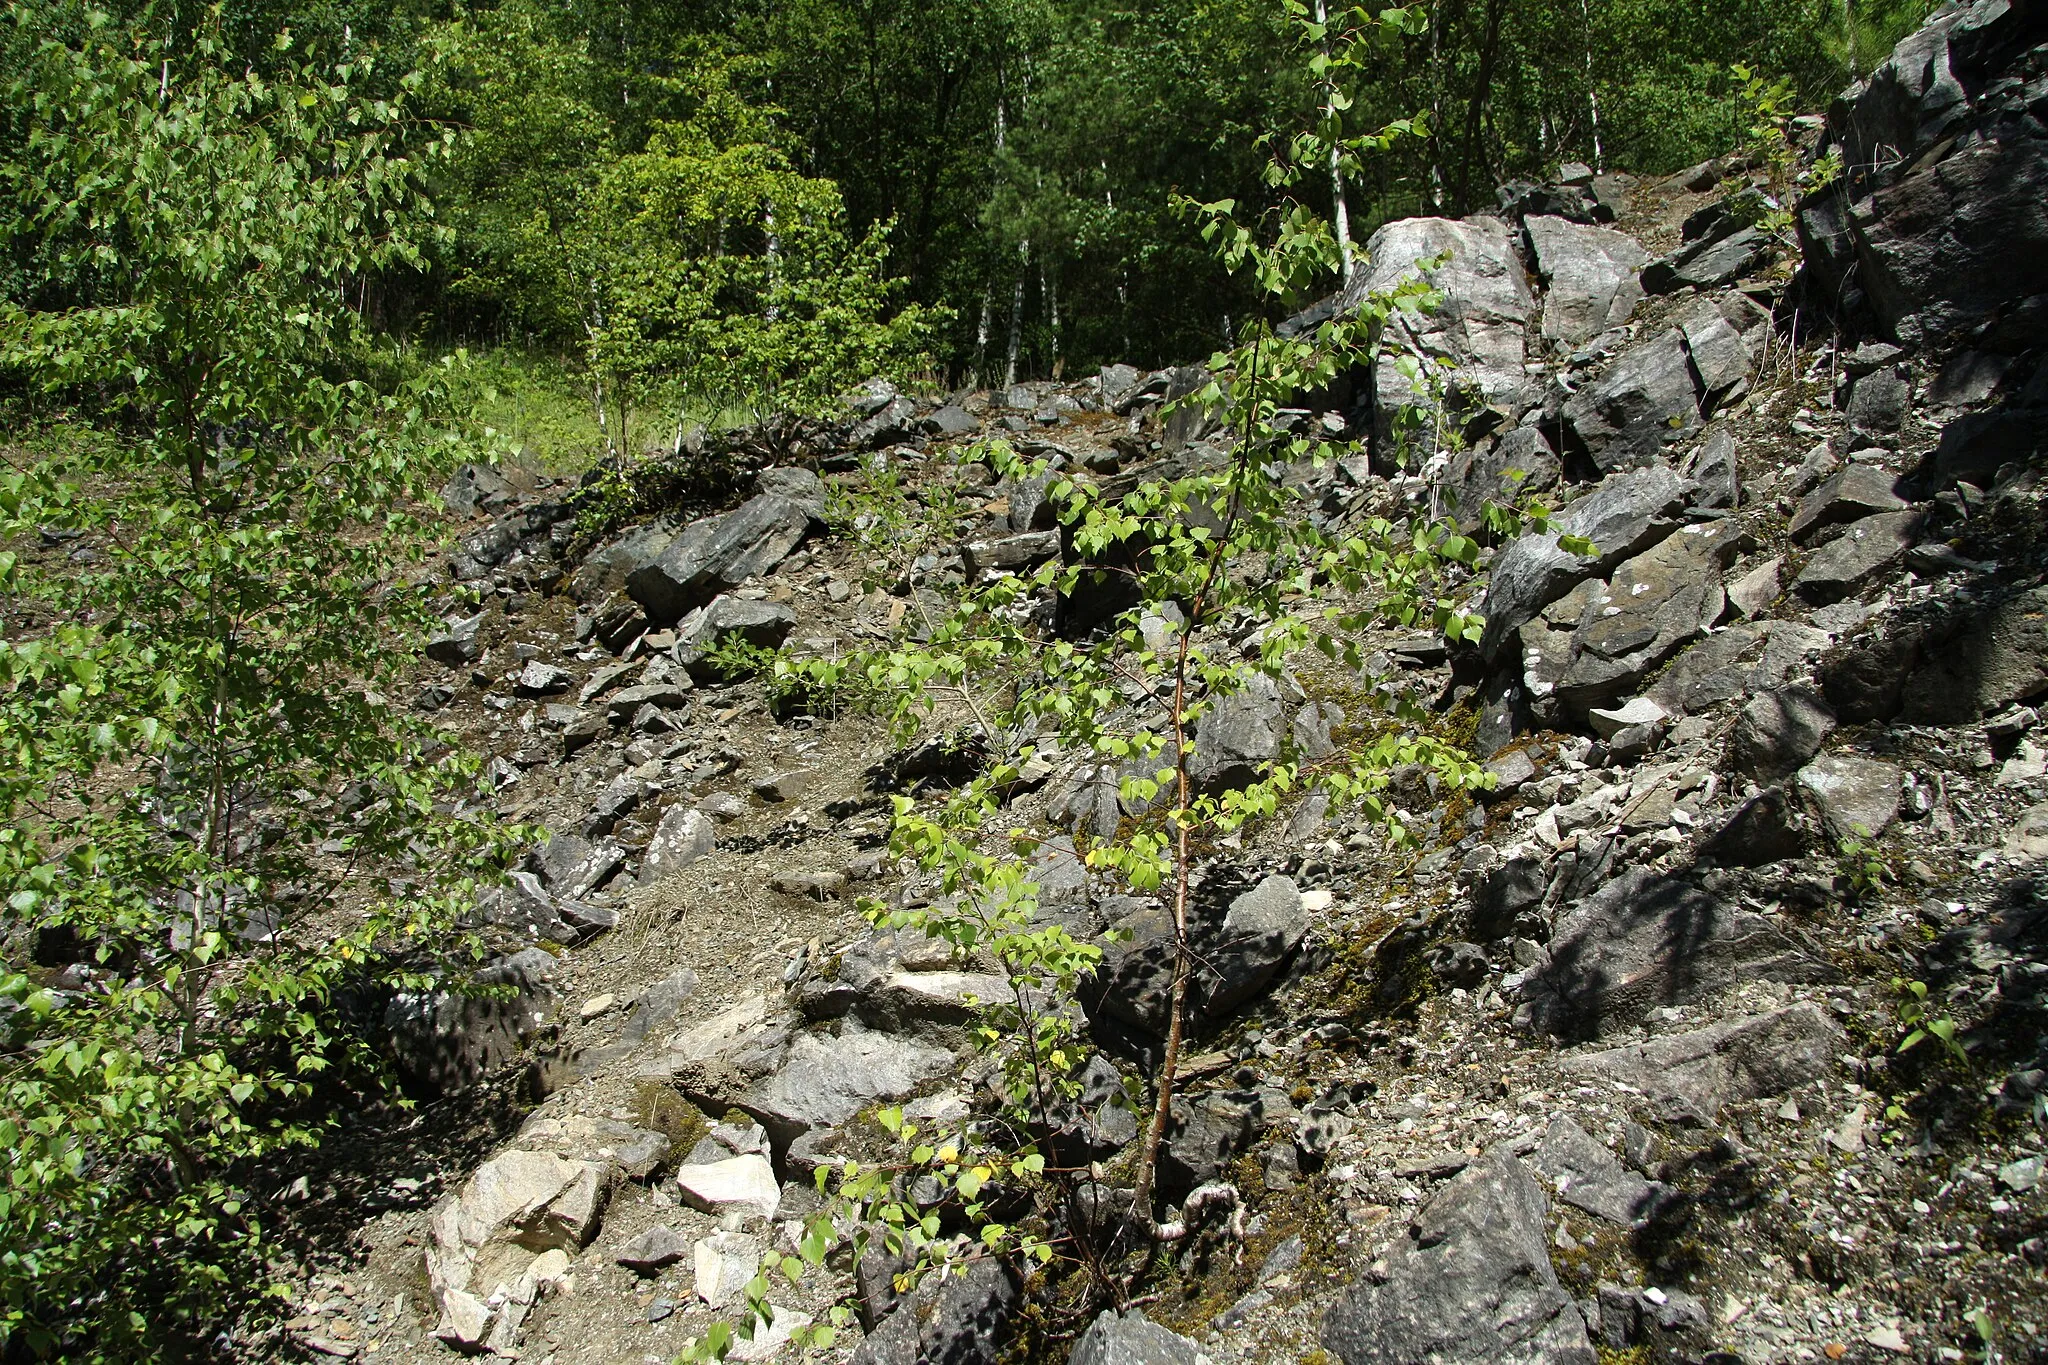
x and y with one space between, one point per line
717 554
1518 465
1644 402
484 1238
1654 605
1487 305
1779 731
1473 1285
1132 1339
1646 940
1591 277
1238 736
1588 1176
1943 164
1744 1058
826 1081
447 1042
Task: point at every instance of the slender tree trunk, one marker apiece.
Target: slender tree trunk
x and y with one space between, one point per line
981 337
1592 91
1049 290
1016 314
1340 212
1475 154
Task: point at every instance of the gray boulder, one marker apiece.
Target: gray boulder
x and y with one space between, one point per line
1853 794
1588 1176
445 1042
683 837
461 643
717 554
1876 403
1238 736
1622 517
1779 731
801 486
1591 274
765 625
1236 956
1654 605
1203 1136
1771 826
1507 470
1739 1059
1849 561
1713 469
827 1080
1471 1285
603 571
1940 228
1132 1339
1857 491
1479 328
1646 940
1011 552
476 486
1707 263
962 1319
1644 402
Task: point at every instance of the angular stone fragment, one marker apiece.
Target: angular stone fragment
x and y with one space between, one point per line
1472 1286
1622 517
1713 469
1591 273
654 1250
765 625
1654 605
1519 464
1852 559
682 837
717 554
1858 797
826 1081
587 1137
743 1183
724 1262
1584 1174
1737 1059
461 643
541 680
1011 552
1778 731
1646 940
1857 491
1238 736
1132 1339
1644 402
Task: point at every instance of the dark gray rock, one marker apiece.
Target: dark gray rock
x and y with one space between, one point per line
1132 1339
684 836
462 643
1720 357
1238 736
1857 797
1778 732
890 422
1939 229
717 554
1503 895
1011 552
827 1080
618 800
1584 1174
960 1320
1236 954
1505 471
475 486
658 1004
1472 1285
1633 1317
1203 1136
801 486
1654 605
654 1250
603 571
1771 826
1876 404
1591 274
1622 517
1707 263
1646 940
1857 491
1713 469
765 625
1739 1059
1645 401
623 705
950 421
444 1042
1849 561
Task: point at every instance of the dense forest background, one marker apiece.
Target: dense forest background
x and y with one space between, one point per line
1003 166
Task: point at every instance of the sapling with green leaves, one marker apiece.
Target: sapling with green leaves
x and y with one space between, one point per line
207 786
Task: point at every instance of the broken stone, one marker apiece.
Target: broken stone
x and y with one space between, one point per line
654 1250
1858 491
743 1183
724 1262
683 837
1852 559
1739 1059
1858 797
1588 1176
1778 732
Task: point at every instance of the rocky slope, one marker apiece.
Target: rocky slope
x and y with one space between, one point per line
1609 1065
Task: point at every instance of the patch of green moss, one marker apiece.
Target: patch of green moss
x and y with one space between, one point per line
657 1106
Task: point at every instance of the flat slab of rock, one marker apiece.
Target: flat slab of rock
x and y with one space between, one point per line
1852 559
1622 517
1858 491
744 1183
1472 1286
1586 1175
1651 608
653 1250
1740 1059
1132 1339
1591 272
1646 940
586 1137
1858 797
717 554
683 836
1644 402
724 1262
827 1080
